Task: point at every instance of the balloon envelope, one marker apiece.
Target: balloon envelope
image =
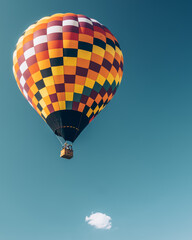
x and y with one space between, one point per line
68 67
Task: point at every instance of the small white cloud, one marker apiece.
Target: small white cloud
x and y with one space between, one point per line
99 220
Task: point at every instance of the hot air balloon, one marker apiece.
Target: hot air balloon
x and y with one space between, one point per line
68 67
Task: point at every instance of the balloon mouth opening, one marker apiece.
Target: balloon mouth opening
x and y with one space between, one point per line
67 124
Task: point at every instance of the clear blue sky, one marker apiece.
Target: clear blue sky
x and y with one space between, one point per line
133 162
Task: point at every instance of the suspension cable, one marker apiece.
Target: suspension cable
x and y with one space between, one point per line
59 140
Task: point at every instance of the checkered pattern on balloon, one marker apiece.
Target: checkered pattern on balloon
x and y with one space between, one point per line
68 66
